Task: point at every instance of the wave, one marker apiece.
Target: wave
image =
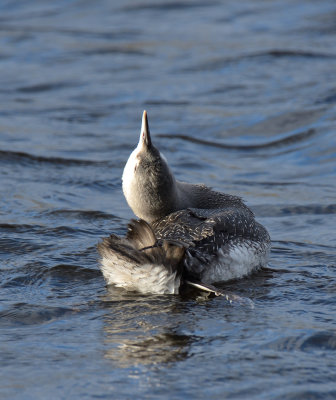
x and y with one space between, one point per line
169 5
32 314
73 32
26 158
37 273
272 53
45 87
82 214
285 210
307 342
284 141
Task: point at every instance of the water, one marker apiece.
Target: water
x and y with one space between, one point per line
240 95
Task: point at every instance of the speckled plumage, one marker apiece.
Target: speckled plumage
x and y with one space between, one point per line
216 234
192 233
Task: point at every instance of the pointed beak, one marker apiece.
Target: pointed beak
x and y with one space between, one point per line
145 138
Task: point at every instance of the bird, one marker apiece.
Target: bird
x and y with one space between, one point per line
185 234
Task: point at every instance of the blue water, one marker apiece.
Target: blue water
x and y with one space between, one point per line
241 96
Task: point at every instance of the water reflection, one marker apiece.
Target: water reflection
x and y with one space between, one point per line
154 329
162 348
144 329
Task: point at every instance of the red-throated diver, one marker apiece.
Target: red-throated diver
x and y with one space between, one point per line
186 232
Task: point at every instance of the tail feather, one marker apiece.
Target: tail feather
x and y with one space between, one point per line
140 262
140 234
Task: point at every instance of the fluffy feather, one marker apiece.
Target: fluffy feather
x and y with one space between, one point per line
140 262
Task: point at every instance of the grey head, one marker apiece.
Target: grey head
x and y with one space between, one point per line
148 184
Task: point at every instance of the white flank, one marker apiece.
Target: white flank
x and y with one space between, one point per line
241 260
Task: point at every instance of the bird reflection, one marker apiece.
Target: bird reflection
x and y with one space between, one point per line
153 329
144 329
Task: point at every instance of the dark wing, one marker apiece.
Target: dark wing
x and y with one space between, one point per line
194 225
208 230
183 225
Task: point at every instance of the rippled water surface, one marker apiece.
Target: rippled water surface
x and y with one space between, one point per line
241 96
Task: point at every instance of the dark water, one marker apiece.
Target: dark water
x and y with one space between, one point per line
240 95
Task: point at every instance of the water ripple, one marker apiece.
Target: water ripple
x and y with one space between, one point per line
316 341
46 87
283 210
26 159
284 141
219 63
22 314
169 6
